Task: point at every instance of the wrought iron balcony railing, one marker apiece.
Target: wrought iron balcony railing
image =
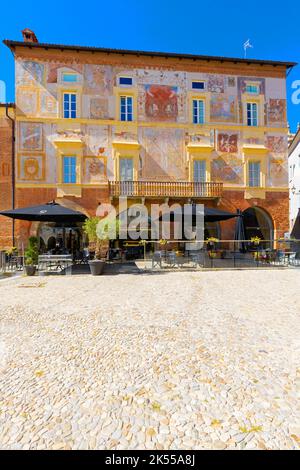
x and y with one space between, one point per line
165 189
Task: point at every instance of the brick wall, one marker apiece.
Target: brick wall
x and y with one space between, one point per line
276 205
5 179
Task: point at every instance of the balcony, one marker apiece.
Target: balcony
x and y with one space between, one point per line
156 189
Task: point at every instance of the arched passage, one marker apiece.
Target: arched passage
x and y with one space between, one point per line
258 223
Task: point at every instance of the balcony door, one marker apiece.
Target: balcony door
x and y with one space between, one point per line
126 176
199 171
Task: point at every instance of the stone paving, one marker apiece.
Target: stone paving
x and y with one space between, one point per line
153 361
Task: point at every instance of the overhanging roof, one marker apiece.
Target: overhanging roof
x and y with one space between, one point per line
31 45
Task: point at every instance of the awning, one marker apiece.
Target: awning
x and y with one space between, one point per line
50 212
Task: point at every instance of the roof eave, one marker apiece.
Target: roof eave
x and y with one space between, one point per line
13 44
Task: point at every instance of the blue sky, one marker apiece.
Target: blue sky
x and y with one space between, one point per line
209 28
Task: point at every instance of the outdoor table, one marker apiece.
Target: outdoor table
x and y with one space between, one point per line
47 262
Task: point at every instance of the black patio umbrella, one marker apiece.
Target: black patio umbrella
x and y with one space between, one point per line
50 212
239 234
216 215
210 214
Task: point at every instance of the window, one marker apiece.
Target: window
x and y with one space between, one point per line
126 108
126 169
69 170
252 89
252 119
198 85
69 77
70 105
254 174
125 81
198 111
199 171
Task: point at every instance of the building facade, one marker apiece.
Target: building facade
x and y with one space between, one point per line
93 124
294 185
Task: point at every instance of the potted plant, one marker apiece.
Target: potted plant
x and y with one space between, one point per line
31 256
99 233
211 246
255 240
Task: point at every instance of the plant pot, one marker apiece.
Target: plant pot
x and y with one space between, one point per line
30 270
96 267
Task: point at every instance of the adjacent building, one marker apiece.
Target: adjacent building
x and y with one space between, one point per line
93 124
7 183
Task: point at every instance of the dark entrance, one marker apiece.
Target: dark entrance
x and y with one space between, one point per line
257 223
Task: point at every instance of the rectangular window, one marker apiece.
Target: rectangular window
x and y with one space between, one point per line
125 81
198 85
254 174
70 105
198 111
69 169
126 108
252 114
69 77
126 169
252 89
199 171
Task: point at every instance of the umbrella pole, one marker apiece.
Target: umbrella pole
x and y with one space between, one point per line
23 255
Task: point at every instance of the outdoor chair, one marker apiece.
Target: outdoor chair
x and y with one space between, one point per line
157 259
171 259
197 259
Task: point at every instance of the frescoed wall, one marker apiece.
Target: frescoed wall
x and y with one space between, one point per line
227 142
223 108
162 96
31 136
277 112
227 169
163 156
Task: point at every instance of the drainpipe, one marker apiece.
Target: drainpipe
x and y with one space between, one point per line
12 169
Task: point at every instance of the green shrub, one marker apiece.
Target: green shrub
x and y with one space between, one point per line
32 252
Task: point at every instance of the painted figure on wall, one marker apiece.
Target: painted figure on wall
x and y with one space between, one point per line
222 109
161 103
216 84
277 111
31 168
31 136
227 143
98 79
94 169
277 144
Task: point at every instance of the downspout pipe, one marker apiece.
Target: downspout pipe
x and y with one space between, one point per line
13 168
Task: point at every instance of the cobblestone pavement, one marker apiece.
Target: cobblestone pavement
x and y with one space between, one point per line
165 361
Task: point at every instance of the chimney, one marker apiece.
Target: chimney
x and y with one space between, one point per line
28 35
